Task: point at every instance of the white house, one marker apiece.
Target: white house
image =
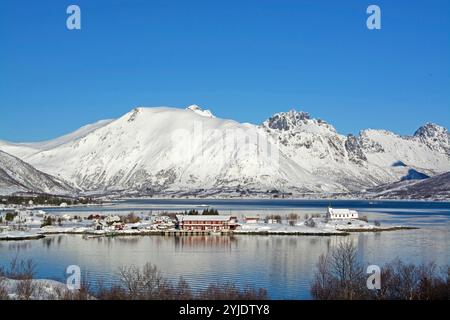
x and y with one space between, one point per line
112 219
341 214
66 217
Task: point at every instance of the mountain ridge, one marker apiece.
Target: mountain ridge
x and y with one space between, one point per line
170 150
18 176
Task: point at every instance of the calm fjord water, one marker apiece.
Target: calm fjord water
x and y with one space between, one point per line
284 265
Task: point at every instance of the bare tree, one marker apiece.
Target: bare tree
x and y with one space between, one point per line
292 218
411 282
27 289
322 286
21 269
229 291
146 283
340 275
3 290
183 291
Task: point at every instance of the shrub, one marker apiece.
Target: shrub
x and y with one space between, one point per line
3 291
26 289
134 283
20 270
310 223
292 218
10 216
229 291
275 217
130 218
149 284
48 221
340 275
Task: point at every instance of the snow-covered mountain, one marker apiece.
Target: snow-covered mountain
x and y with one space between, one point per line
184 151
176 150
437 187
23 150
18 176
372 158
200 111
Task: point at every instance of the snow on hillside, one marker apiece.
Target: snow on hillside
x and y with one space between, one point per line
386 148
355 162
154 149
18 176
23 150
437 187
200 111
184 151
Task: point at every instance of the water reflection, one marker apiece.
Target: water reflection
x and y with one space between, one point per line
199 243
282 264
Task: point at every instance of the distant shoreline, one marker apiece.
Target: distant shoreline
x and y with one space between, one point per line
283 199
112 200
177 233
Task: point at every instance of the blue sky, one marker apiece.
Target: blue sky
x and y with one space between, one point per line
244 60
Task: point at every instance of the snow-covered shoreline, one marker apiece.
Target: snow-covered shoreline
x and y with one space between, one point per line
20 235
25 224
313 198
320 227
42 289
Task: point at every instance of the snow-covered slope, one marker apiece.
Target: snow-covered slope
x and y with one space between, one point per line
18 176
421 152
200 111
437 187
176 150
23 150
169 150
356 162
316 146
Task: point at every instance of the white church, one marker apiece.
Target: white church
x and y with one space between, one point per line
341 214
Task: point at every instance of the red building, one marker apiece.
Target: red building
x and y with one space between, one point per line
206 223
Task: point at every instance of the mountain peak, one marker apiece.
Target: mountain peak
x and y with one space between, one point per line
299 121
204 113
194 107
285 121
431 130
435 136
